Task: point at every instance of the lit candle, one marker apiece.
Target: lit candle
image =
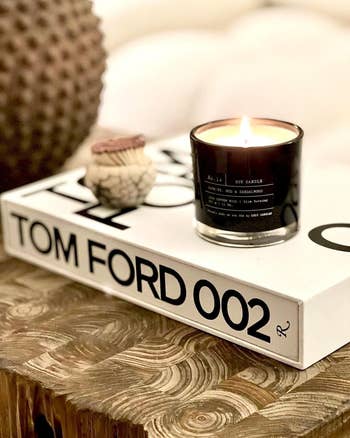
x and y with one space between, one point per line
246 177
247 133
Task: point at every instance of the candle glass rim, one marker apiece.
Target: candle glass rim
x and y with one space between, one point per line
268 121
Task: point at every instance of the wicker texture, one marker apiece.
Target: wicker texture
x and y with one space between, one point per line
51 66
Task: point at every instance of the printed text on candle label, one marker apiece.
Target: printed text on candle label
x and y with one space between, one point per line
239 198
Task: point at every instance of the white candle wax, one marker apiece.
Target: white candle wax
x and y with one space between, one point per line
248 133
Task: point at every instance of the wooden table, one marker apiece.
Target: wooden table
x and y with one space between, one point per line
77 363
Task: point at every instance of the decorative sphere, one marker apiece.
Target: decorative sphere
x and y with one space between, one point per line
51 66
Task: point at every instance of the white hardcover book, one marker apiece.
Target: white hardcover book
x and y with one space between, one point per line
289 301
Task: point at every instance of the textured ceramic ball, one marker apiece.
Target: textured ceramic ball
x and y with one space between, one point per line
51 65
120 174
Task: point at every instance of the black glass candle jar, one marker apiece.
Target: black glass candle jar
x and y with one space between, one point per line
247 184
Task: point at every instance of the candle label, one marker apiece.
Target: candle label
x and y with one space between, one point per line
238 198
246 189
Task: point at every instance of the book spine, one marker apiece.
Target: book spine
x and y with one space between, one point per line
244 314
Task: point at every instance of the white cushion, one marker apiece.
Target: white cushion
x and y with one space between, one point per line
296 67
123 20
336 8
153 83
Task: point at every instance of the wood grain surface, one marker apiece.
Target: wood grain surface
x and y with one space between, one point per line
77 363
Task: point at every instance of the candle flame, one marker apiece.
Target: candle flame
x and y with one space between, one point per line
245 131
